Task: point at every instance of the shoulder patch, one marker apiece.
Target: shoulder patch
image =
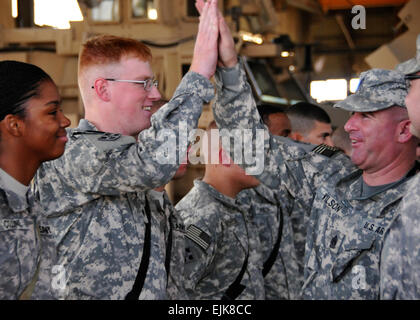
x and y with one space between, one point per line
325 150
201 238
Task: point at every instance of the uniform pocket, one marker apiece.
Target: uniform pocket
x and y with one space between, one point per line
352 249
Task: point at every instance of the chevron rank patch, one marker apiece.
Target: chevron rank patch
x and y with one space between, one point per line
198 236
325 150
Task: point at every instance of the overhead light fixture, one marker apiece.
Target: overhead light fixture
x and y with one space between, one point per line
152 14
285 54
14 9
250 37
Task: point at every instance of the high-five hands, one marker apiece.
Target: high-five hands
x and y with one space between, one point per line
226 46
206 45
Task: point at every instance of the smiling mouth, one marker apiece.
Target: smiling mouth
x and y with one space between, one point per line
147 108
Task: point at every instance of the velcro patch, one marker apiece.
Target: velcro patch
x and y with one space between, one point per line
198 236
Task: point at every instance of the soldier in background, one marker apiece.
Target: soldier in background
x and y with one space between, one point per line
276 119
282 278
310 124
32 130
109 243
223 259
400 263
350 204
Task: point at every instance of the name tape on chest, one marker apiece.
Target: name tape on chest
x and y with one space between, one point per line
373 227
45 230
10 224
334 204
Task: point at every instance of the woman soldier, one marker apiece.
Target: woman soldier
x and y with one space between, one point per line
32 130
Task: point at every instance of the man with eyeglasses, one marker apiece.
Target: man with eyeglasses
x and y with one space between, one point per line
110 243
400 264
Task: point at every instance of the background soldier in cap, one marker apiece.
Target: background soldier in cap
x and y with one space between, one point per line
400 263
223 259
109 243
352 204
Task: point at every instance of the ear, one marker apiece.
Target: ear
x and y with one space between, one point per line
101 87
403 133
13 125
224 159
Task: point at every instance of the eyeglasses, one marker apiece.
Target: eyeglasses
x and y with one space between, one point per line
147 84
412 76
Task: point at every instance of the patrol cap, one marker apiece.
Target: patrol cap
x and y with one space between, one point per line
378 89
413 65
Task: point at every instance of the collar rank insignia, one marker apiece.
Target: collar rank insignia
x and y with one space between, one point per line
325 150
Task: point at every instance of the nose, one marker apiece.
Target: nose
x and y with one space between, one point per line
64 121
350 124
154 94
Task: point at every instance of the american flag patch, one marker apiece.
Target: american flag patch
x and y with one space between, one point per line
198 236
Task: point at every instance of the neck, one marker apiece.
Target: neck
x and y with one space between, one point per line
20 168
222 183
388 174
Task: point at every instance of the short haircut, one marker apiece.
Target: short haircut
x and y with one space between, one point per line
266 109
107 49
303 115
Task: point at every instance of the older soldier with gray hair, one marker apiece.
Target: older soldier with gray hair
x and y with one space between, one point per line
350 205
400 263
109 243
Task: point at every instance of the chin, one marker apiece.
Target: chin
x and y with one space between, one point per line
57 153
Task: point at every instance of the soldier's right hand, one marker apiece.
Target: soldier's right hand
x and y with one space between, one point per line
227 52
206 45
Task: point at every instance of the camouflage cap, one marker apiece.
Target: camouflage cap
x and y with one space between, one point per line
413 65
378 89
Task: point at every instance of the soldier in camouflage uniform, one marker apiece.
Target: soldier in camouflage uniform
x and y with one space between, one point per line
282 278
352 204
174 235
95 193
400 262
222 243
32 127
